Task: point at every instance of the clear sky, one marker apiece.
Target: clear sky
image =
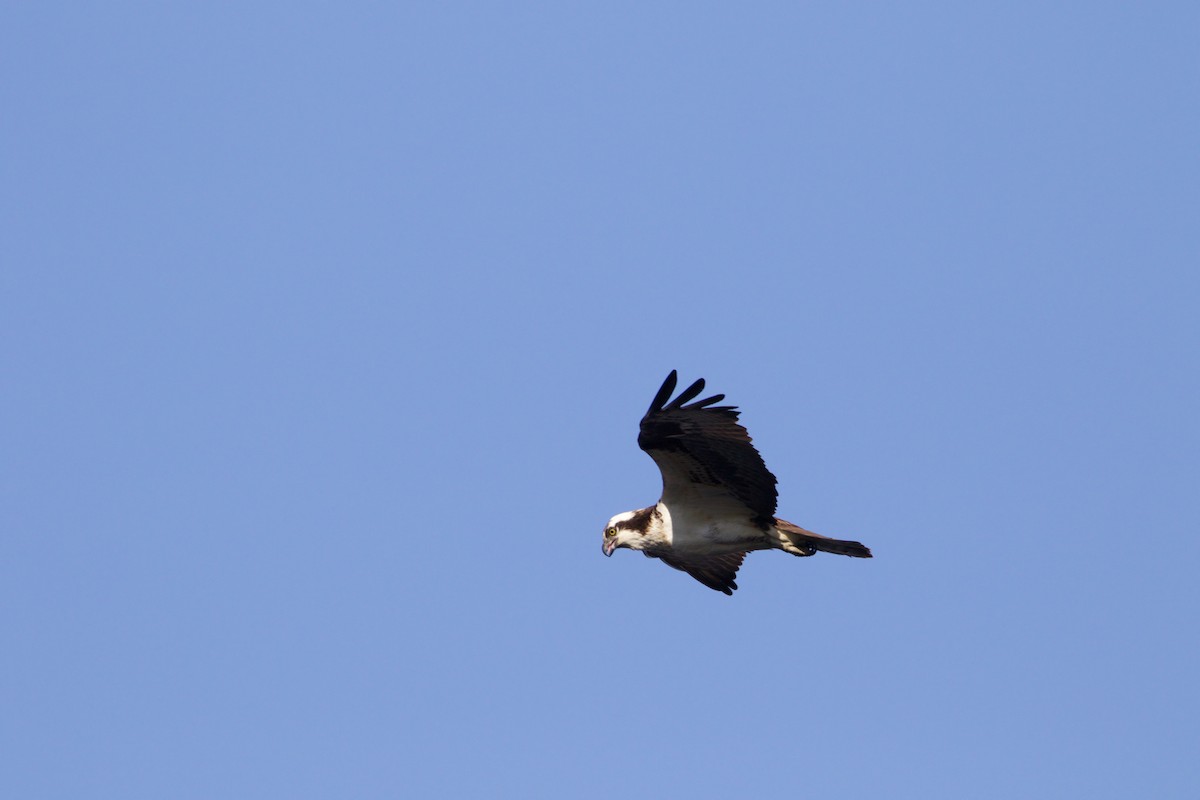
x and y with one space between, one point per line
326 329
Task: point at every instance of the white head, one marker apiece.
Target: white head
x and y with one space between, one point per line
630 529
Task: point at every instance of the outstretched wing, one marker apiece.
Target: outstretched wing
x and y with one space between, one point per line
715 572
705 456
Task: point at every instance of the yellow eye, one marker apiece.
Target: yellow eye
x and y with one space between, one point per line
610 531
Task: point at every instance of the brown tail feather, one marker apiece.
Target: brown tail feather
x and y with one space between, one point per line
812 542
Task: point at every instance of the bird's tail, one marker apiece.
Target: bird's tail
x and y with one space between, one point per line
798 541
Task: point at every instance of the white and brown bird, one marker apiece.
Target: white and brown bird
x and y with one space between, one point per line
718 499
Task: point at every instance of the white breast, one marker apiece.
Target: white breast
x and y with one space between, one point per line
704 530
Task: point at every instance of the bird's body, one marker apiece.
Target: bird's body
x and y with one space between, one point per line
718 500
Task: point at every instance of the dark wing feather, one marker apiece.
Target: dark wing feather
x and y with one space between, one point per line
687 394
704 455
715 572
664 391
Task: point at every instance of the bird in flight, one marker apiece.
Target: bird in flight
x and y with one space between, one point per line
718 499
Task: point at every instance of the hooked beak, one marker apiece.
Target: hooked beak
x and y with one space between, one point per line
610 545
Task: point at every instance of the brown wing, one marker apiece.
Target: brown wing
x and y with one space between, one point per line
705 456
715 572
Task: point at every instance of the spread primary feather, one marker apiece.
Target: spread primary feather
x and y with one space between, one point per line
719 499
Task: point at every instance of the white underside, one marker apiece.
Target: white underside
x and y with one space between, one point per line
706 531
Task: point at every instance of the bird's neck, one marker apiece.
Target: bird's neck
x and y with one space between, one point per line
658 527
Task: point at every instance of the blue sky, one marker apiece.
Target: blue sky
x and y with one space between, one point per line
326 329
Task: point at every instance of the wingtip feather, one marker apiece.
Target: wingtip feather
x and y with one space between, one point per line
688 393
708 401
664 392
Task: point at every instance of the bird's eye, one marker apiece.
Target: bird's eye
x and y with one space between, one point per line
610 531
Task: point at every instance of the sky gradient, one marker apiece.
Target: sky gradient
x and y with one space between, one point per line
326 328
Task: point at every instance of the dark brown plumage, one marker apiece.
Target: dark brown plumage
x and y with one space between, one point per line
718 500
715 572
704 444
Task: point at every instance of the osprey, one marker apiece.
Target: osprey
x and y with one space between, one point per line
718 498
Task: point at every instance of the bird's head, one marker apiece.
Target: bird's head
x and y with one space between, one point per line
628 529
